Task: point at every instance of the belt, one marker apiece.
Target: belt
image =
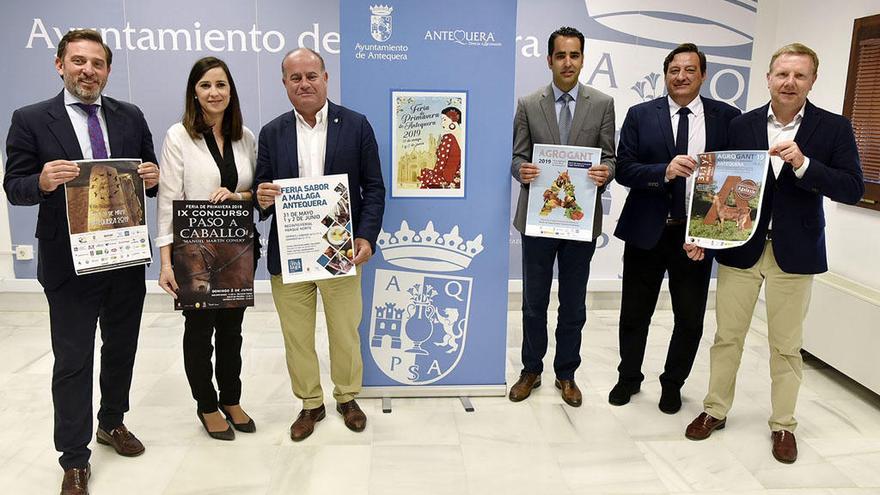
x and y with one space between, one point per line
675 221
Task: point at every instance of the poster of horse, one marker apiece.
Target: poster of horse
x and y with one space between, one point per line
213 254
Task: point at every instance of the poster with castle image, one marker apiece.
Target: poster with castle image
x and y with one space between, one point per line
428 143
725 198
105 216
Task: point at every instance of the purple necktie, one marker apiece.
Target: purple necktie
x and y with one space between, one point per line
96 136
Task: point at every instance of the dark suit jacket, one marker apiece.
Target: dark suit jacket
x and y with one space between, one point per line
41 133
351 149
797 213
645 149
592 125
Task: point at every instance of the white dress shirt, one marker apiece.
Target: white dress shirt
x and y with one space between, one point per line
80 120
188 171
311 142
571 105
777 133
696 124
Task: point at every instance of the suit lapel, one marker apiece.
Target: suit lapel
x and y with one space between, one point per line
665 123
759 128
548 106
808 125
334 125
289 167
116 125
581 109
710 116
62 129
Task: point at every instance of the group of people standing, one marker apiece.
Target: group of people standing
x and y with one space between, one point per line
211 155
813 155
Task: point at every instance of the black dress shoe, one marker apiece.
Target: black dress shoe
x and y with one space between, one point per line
248 427
621 393
227 434
670 400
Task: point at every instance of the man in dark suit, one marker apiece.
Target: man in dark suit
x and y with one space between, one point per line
658 142
80 123
319 138
813 155
570 113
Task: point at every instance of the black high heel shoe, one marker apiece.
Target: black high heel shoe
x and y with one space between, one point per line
249 427
227 434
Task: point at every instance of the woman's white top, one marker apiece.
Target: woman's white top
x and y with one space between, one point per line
187 170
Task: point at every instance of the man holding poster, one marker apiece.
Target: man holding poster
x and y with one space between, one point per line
655 156
564 112
813 155
319 138
80 123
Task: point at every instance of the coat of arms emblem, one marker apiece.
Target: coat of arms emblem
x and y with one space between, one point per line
380 22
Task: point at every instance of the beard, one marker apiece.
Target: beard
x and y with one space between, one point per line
72 83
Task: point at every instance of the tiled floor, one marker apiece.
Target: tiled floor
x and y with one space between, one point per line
432 446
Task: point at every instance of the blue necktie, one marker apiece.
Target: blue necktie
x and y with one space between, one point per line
677 209
564 118
96 135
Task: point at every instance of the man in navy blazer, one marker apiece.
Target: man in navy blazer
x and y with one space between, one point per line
658 142
813 155
79 123
321 138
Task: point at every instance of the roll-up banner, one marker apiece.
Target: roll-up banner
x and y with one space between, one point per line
436 81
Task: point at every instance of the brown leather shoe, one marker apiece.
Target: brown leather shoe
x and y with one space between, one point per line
571 394
524 386
703 426
76 481
354 418
122 440
784 446
305 423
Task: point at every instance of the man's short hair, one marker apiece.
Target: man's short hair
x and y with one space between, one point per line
83 34
313 52
685 48
566 31
796 49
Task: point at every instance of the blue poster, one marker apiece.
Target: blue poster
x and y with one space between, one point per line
435 292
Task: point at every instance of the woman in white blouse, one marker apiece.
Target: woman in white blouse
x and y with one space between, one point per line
210 155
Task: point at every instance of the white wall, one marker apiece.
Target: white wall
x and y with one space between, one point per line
826 27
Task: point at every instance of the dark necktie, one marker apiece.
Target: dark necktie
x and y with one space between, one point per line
564 118
678 210
96 135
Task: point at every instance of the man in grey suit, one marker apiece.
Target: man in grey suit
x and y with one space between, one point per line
570 113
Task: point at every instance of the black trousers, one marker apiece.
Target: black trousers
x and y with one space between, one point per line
116 300
688 287
224 325
539 254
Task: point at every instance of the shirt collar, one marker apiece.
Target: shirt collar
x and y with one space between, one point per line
558 92
771 117
320 117
70 99
695 106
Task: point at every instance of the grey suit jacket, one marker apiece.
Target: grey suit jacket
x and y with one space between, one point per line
535 122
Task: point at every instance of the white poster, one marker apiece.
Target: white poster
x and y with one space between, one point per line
315 236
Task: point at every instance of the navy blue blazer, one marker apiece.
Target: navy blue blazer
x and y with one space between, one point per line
41 133
645 149
798 217
351 149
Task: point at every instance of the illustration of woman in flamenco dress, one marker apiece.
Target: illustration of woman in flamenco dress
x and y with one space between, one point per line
446 173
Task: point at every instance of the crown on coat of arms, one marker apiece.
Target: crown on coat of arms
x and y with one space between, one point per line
381 9
428 249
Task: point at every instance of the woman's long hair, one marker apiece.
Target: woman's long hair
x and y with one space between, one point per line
193 116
